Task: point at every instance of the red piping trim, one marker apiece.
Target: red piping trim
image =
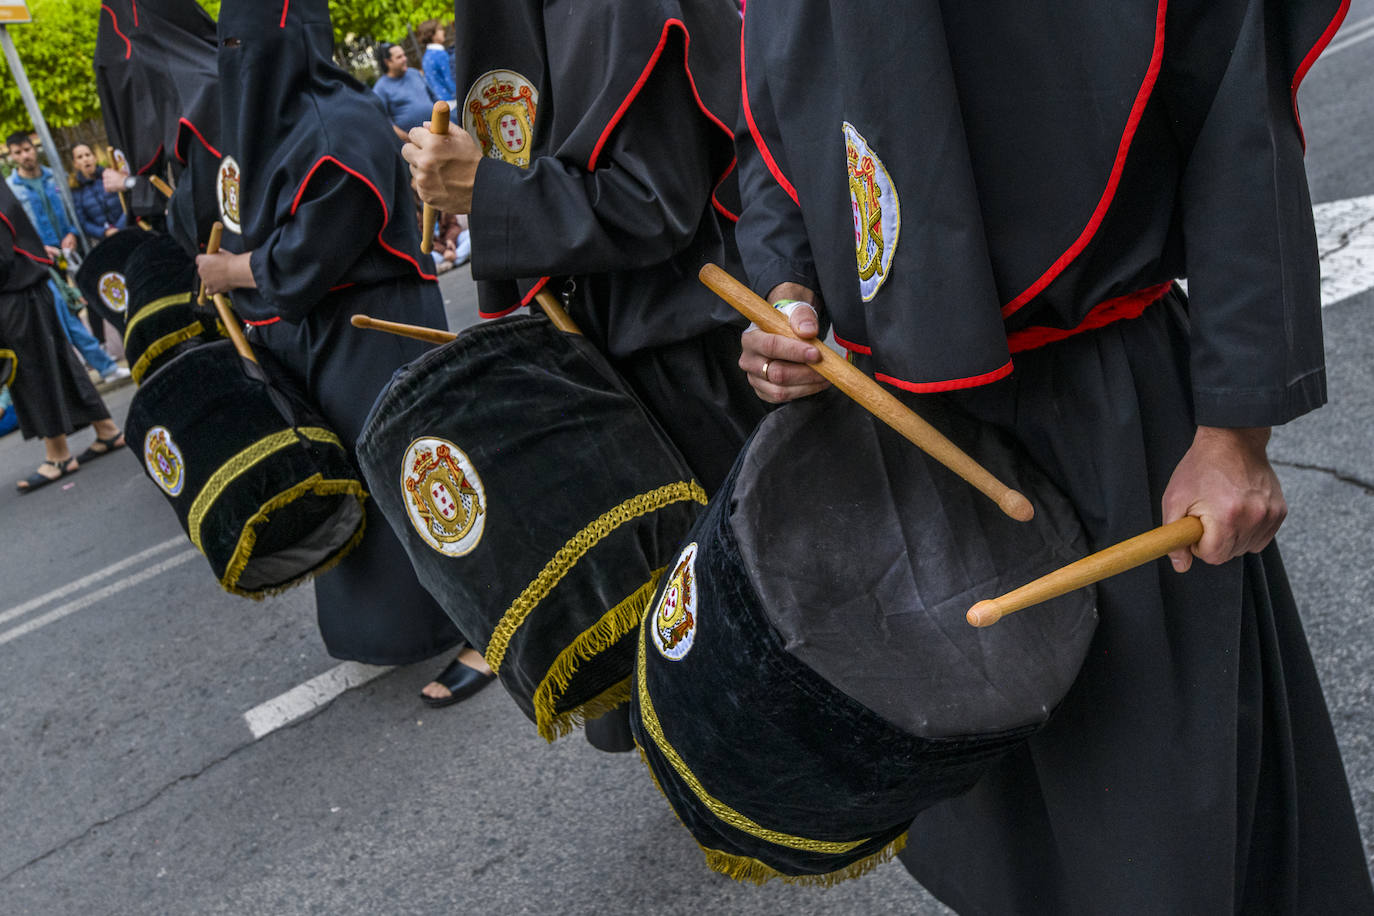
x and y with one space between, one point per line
754 132
134 4
335 289
263 323
1311 58
199 136
28 254
284 7
955 384
386 214
857 348
1132 122
1131 305
114 21
715 201
634 91
151 162
528 298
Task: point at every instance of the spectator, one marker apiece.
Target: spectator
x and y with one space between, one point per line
436 63
405 95
36 190
98 211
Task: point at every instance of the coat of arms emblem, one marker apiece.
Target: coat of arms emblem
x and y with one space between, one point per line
499 113
162 457
877 213
227 189
120 161
114 291
674 622
444 496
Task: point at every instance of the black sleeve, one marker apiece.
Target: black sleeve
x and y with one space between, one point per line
639 206
1252 264
337 220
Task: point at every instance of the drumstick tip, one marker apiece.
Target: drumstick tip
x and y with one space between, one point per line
1017 506
360 321
983 614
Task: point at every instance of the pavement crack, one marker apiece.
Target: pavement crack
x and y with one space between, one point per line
1343 240
1365 485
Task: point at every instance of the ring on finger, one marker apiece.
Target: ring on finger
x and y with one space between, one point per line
764 373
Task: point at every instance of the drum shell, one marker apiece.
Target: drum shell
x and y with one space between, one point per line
102 277
583 502
163 319
776 770
246 464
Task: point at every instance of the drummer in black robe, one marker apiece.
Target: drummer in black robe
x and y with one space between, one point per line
53 396
990 203
319 226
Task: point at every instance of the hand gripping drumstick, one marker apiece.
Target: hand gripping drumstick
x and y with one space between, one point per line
557 316
123 201
226 312
871 396
438 124
1104 564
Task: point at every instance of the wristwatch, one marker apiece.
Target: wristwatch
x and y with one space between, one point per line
130 182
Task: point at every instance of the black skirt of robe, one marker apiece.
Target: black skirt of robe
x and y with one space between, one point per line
1214 716
371 607
53 395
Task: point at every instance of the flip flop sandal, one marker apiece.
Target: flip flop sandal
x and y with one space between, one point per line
90 454
37 481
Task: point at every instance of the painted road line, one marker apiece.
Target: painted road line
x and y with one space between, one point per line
1345 239
1350 35
312 695
100 575
98 595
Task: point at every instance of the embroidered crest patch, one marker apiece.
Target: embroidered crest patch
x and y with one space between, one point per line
114 291
163 459
121 162
877 212
499 113
443 495
674 621
227 190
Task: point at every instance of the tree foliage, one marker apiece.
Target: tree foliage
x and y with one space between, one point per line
56 49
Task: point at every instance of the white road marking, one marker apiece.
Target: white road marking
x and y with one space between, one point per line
99 575
1351 34
310 696
1345 239
98 595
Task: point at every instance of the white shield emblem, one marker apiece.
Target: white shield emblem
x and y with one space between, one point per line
512 134
444 497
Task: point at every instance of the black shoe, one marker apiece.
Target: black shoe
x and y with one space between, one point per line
462 683
611 732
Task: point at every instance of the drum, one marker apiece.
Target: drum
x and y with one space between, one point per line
260 485
103 278
9 366
163 318
538 503
806 682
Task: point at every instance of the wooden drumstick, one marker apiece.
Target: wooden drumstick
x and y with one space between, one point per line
438 124
557 315
428 335
123 201
226 312
871 396
161 185
1104 564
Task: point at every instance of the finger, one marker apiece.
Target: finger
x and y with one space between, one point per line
1218 543
776 346
803 322
789 374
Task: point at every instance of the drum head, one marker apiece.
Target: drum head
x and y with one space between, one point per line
103 277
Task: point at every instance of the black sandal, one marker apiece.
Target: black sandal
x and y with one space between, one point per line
37 481
111 444
461 681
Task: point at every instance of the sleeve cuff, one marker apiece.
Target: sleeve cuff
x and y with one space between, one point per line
1249 407
493 189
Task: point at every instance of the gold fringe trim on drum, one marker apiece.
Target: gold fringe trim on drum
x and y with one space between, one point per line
161 346
14 366
606 632
152 308
231 469
720 810
243 551
570 553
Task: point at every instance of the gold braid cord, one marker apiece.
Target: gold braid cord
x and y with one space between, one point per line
152 308
161 346
570 553
14 365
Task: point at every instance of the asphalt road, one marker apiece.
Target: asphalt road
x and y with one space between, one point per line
131 781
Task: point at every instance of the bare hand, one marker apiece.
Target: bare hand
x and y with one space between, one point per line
222 271
1226 481
443 168
53 253
111 230
69 242
113 180
777 366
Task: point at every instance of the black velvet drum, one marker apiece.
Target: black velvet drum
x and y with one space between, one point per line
163 319
262 487
103 276
538 503
9 365
806 682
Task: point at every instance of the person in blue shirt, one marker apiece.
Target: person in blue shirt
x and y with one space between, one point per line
99 211
437 63
405 95
36 190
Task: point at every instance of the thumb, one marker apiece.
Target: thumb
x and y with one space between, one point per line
803 321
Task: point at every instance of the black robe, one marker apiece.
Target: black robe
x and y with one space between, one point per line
1057 167
53 396
324 206
611 179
